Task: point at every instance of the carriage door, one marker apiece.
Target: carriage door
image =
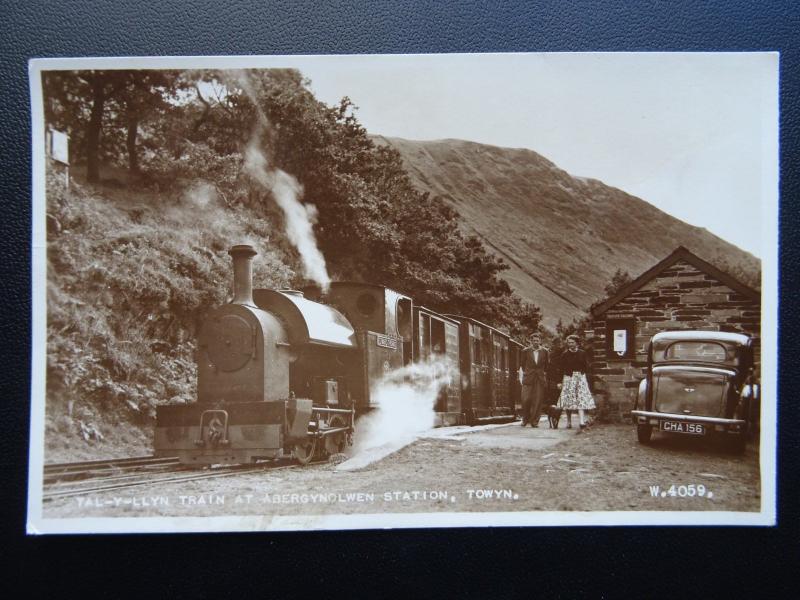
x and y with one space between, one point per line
486 370
476 389
451 353
497 374
424 336
514 387
404 315
437 349
502 397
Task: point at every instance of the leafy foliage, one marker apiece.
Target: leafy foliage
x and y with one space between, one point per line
618 281
103 110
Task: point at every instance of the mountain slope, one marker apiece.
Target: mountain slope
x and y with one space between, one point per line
562 236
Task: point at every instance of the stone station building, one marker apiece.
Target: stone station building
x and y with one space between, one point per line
681 292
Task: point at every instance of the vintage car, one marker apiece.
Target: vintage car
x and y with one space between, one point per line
699 383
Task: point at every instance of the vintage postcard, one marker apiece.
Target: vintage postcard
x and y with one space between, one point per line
380 291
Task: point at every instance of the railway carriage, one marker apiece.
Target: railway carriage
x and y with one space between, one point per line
489 381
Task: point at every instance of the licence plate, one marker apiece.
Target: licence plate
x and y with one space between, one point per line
680 427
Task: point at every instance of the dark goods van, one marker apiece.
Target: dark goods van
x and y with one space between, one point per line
699 383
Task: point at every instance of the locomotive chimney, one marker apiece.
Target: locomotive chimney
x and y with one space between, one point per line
242 273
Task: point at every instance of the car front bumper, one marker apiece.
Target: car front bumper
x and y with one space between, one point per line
646 417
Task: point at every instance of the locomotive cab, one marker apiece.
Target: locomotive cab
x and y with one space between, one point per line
382 321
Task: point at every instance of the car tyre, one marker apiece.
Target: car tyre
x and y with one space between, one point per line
644 433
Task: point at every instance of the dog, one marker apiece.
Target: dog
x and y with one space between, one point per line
554 415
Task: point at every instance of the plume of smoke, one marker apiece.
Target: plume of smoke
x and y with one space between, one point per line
299 217
405 399
200 196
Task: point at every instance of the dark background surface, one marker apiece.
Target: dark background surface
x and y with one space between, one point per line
592 561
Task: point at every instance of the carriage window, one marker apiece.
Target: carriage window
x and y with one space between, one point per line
476 351
437 336
404 318
707 351
486 352
425 335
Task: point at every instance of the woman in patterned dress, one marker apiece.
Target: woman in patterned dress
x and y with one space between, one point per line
575 391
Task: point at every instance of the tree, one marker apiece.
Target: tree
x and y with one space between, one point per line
103 85
83 102
145 93
619 280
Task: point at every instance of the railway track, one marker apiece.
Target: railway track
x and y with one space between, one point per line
107 463
62 472
98 477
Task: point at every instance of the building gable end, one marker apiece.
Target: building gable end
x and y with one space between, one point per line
681 254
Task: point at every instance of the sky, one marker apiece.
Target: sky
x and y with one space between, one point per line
693 134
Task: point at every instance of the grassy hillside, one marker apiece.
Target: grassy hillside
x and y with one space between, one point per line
563 236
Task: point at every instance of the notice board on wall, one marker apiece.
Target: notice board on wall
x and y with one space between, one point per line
620 338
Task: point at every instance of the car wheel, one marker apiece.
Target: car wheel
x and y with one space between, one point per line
644 433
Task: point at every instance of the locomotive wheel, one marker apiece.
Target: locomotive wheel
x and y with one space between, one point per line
304 451
335 444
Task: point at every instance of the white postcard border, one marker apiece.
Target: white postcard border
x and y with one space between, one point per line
37 524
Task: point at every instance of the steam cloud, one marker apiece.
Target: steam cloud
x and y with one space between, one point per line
200 203
406 399
286 190
299 217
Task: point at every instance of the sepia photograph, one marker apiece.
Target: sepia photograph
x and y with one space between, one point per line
289 293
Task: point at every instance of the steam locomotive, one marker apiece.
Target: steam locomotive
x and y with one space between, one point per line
284 372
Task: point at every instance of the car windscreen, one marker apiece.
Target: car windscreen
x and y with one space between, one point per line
690 392
696 351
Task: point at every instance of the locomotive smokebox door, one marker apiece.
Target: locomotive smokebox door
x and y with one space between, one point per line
229 341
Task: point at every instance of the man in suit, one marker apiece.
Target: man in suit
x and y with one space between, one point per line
535 363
